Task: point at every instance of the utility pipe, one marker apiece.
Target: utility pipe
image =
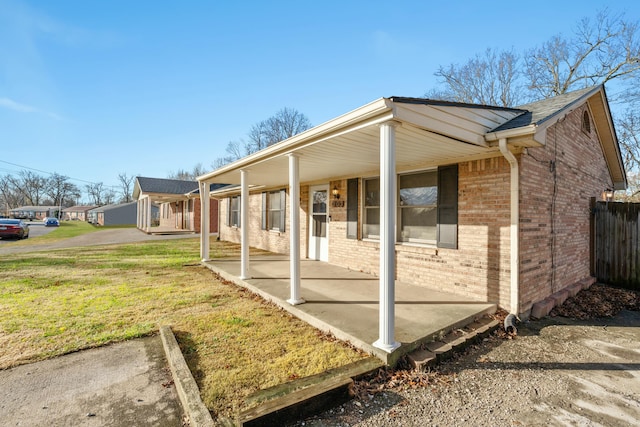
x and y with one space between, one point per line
509 322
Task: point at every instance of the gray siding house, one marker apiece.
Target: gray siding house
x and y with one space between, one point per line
120 214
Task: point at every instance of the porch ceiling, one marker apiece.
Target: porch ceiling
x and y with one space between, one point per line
349 146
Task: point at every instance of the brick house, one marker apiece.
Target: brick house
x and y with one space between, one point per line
487 202
76 213
178 202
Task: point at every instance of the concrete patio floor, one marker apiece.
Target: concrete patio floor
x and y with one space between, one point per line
345 302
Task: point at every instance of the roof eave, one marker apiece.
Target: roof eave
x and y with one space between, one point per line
536 132
372 109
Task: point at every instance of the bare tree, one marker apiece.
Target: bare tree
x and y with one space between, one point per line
284 124
108 196
32 187
10 195
599 51
126 187
61 191
186 175
95 192
490 79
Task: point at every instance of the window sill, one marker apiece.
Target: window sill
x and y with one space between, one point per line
405 244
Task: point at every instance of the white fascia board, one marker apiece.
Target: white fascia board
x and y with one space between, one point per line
372 109
511 133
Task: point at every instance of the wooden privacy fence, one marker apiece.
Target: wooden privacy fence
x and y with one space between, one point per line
615 243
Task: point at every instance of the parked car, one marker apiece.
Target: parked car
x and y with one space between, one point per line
51 222
15 228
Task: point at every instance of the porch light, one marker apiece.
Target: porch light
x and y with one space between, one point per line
608 194
335 192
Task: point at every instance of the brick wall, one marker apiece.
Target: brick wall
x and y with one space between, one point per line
177 212
556 183
556 180
213 215
269 240
479 268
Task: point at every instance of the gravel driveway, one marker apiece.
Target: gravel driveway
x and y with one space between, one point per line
557 372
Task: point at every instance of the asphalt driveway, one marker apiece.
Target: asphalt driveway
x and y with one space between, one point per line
101 237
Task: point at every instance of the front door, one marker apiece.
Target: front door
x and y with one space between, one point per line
318 226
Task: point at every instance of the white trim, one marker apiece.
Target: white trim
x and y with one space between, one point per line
388 196
244 225
514 228
205 205
294 230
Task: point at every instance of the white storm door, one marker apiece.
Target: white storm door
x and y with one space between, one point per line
319 223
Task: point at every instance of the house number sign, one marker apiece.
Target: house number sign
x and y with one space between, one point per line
337 203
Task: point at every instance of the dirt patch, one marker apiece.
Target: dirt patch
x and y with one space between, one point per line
579 370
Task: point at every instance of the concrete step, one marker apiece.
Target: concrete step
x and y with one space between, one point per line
432 353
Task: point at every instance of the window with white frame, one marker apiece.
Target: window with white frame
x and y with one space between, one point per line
418 207
273 210
371 214
427 207
234 211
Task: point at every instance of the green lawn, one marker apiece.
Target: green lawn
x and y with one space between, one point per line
235 344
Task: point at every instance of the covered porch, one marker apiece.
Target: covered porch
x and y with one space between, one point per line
383 138
345 303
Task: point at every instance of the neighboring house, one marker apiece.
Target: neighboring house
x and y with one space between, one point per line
179 203
117 214
487 202
76 213
34 212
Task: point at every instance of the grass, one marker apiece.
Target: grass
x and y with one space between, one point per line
235 344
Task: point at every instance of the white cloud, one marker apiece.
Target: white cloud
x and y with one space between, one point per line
23 108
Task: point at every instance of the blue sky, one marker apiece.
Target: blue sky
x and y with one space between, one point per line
91 89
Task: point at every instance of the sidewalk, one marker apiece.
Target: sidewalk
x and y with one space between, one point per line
125 384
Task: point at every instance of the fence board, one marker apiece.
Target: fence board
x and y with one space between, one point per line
617 243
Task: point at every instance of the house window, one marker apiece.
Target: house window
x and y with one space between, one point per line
273 210
371 220
586 123
427 207
418 203
234 211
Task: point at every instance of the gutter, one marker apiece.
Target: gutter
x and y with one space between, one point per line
514 236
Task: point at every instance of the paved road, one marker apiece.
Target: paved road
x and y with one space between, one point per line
36 229
125 384
101 237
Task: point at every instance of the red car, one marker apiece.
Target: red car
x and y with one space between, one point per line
13 228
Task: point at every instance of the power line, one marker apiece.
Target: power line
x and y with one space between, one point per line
52 173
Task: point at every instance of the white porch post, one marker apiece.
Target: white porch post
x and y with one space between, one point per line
148 211
138 214
205 204
386 340
294 229
143 214
244 224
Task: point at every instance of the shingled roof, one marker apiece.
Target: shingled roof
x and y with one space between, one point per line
538 112
166 186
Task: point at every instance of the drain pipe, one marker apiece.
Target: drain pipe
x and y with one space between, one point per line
510 320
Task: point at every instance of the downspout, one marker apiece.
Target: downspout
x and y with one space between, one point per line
509 321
